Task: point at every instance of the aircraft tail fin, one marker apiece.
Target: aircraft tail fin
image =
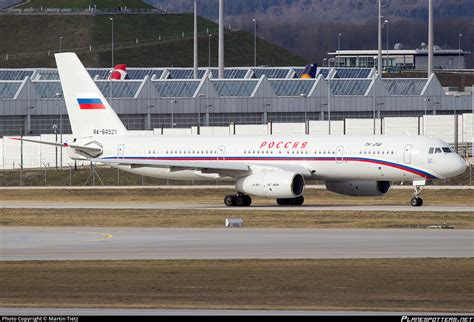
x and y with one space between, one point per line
310 71
119 72
89 112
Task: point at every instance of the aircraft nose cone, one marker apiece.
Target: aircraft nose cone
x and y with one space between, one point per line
459 166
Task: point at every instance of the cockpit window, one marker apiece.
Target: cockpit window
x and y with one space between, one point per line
447 150
438 150
431 151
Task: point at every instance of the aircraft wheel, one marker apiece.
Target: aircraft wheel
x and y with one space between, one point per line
247 201
416 202
420 202
239 200
299 201
229 201
282 201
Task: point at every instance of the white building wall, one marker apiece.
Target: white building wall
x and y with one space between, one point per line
440 127
12 153
1 153
288 128
212 130
142 132
401 125
322 127
467 125
173 131
257 129
362 126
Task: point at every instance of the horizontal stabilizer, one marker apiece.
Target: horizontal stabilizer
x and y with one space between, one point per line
88 151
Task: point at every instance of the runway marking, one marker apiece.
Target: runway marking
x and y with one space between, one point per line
105 236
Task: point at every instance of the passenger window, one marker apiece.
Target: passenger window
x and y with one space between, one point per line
438 150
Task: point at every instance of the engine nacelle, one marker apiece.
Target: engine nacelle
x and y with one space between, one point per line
359 188
272 184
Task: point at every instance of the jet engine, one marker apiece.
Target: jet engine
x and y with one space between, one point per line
276 184
359 188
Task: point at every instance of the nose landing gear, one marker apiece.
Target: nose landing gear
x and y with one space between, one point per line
416 201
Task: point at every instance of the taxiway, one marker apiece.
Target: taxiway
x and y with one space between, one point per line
72 243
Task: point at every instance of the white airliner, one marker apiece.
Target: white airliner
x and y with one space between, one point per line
265 166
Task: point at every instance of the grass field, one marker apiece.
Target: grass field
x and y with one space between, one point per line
216 195
429 285
26 34
197 218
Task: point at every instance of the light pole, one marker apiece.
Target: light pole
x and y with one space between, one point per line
209 47
456 97
112 21
199 114
329 106
385 23
325 60
55 131
207 122
379 36
459 61
426 105
338 47
255 43
60 43
58 96
172 112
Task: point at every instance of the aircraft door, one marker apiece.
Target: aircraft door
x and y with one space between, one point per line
221 152
121 151
407 154
339 154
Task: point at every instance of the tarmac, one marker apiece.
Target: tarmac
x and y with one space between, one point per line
214 206
73 243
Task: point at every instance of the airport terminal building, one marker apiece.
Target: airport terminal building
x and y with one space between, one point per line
156 98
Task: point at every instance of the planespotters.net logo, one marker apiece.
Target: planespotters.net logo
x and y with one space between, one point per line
437 319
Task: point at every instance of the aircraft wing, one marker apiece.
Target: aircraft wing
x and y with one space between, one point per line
182 165
233 169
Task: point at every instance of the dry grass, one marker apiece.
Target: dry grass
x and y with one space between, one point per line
203 218
444 285
216 195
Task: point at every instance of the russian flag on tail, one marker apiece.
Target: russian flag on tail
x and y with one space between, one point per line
90 104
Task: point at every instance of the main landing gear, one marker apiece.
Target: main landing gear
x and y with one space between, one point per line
238 200
298 201
416 201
